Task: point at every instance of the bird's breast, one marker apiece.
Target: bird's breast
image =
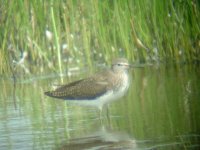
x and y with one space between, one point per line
122 85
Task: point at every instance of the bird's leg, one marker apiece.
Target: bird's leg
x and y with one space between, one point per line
100 115
107 114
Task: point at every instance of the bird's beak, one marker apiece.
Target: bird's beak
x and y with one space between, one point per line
136 65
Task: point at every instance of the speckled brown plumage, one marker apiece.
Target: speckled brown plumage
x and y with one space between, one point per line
102 87
88 88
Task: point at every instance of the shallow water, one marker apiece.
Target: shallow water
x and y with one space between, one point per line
160 111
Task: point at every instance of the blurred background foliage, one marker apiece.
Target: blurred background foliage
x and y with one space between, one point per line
38 36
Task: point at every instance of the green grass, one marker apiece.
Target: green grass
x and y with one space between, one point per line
140 30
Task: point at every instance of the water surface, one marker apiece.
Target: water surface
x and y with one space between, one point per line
160 111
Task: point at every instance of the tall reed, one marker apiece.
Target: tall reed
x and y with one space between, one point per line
81 32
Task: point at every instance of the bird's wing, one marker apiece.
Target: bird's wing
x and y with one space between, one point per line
89 88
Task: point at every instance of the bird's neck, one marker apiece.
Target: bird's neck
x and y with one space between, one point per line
120 72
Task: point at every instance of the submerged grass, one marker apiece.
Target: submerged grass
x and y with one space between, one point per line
39 35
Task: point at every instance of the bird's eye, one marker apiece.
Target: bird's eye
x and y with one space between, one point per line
118 64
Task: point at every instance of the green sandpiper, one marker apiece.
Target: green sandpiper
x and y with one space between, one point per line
99 89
